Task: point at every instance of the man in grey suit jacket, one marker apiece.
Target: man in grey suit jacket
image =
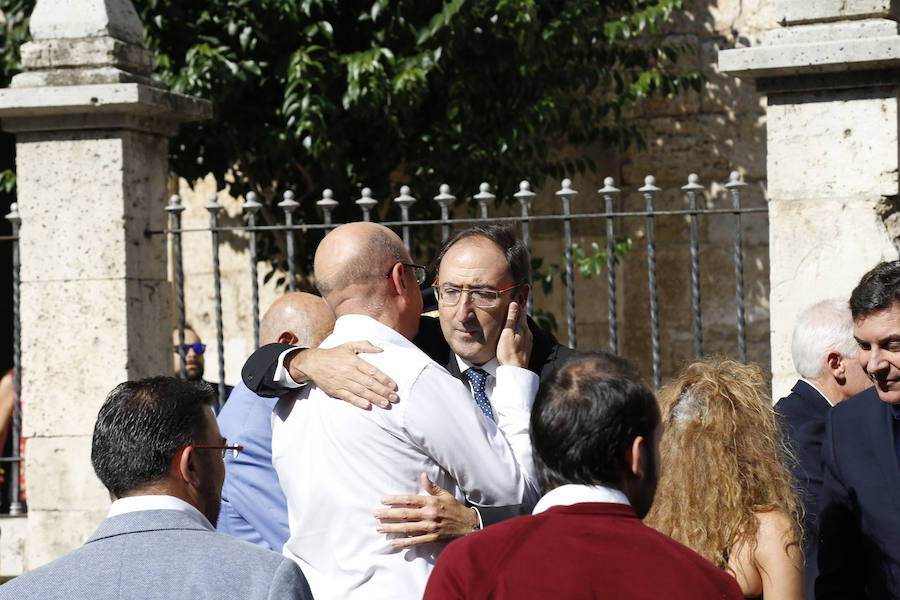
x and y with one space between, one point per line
158 451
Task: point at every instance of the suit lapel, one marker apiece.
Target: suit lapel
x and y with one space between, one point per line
811 396
886 448
453 367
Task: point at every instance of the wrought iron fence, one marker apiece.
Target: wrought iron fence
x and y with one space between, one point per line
609 217
607 227
12 463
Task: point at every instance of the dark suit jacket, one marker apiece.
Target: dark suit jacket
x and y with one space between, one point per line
160 555
586 550
804 412
546 354
859 524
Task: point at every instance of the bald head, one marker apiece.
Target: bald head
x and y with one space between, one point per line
297 318
356 254
358 268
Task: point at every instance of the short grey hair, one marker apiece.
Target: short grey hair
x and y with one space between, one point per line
824 327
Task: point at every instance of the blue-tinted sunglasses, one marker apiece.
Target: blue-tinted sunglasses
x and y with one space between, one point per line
198 348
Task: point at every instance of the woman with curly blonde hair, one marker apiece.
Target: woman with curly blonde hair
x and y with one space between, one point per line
725 488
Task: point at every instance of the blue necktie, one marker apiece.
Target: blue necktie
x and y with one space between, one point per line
478 378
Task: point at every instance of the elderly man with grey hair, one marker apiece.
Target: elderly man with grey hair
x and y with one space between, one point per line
824 352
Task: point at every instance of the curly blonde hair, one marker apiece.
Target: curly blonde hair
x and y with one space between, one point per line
723 459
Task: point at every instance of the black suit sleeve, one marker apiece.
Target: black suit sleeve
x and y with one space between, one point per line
546 351
495 514
841 560
259 371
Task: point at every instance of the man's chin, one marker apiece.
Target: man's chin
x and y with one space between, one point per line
469 350
890 395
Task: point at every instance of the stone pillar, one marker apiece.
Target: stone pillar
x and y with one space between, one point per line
832 84
92 134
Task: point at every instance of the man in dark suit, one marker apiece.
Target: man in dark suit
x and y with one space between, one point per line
481 271
824 354
158 451
596 450
859 549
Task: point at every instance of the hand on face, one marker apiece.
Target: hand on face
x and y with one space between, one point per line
514 347
471 331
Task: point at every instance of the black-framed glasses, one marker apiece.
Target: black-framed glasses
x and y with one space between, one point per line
480 297
419 270
223 450
198 348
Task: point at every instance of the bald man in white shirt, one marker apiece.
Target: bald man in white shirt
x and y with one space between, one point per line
335 461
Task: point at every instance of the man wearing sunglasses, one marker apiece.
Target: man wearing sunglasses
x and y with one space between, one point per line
157 449
193 365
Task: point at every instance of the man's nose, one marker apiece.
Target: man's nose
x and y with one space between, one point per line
464 306
876 361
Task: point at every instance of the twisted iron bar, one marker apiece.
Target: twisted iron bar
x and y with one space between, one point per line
251 207
692 188
214 208
649 190
16 507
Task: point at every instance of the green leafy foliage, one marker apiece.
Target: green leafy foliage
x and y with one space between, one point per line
586 264
310 94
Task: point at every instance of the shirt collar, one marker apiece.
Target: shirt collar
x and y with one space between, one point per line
566 495
158 502
363 327
490 367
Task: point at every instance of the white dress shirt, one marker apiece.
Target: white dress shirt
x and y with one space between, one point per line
158 502
572 493
335 462
516 389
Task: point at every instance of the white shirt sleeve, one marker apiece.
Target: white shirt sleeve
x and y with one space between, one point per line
448 426
282 376
511 400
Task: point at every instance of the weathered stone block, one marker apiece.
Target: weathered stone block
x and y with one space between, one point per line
847 128
86 19
70 528
50 474
803 11
68 371
93 221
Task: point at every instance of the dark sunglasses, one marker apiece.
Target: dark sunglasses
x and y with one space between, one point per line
198 348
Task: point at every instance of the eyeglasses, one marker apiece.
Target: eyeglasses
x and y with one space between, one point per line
482 297
198 348
419 270
223 450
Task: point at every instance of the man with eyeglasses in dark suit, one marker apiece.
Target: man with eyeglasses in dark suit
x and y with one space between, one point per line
481 271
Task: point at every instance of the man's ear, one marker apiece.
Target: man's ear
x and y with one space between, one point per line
522 296
188 468
286 337
635 460
834 362
398 280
